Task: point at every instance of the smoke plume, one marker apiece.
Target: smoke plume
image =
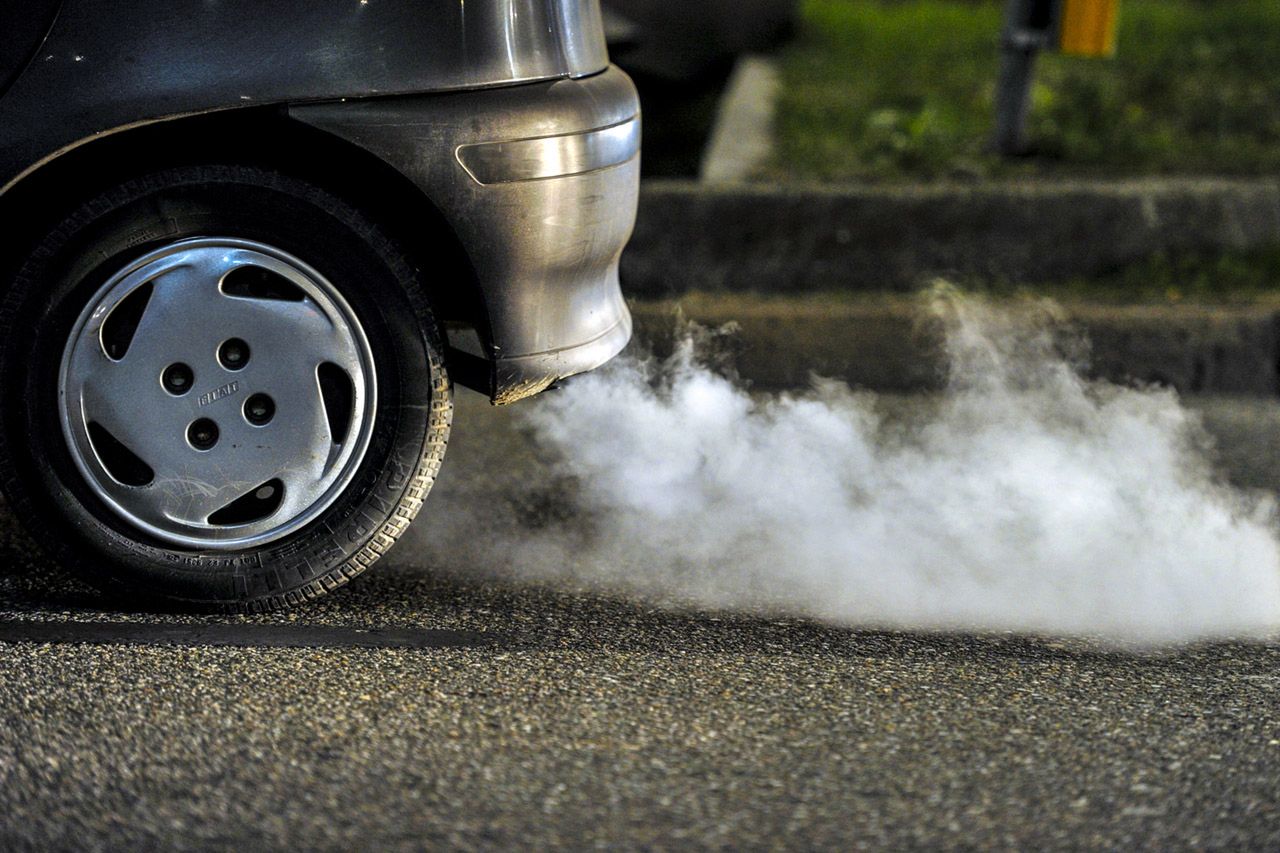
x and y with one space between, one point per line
1023 498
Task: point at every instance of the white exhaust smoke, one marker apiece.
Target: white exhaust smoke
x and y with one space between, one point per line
1024 498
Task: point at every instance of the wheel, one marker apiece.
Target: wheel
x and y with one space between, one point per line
234 395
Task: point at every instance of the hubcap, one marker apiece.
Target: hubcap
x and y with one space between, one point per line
217 393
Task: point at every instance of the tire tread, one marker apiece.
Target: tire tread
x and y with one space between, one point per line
418 484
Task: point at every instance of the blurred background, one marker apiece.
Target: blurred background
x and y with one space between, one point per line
903 90
901 94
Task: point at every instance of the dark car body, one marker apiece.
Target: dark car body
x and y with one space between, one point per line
499 124
680 41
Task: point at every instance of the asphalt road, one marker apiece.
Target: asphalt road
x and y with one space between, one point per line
423 707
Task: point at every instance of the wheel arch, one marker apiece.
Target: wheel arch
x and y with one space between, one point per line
268 138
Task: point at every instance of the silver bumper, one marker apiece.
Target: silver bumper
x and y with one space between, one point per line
540 184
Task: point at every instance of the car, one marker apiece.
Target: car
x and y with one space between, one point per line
678 42
248 249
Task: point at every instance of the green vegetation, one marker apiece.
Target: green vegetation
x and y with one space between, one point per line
1218 278
902 90
1224 277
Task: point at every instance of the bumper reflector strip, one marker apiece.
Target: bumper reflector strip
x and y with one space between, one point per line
551 156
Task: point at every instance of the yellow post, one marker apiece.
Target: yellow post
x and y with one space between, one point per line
1088 27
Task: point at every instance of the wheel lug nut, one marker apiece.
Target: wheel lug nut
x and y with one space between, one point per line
202 434
233 354
177 378
259 409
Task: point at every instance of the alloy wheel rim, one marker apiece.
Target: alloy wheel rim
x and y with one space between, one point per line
217 393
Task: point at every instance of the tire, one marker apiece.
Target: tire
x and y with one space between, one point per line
337 300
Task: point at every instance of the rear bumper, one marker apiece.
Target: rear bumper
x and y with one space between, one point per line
540 184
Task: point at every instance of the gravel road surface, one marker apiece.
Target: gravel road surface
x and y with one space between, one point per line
423 707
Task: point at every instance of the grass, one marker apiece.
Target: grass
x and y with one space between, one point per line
1229 277
885 90
1220 277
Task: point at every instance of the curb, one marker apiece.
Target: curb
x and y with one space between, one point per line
742 136
788 239
886 344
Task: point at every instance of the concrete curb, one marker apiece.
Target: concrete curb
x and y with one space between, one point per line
742 137
793 239
887 344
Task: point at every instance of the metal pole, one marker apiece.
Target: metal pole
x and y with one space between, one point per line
1027 28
